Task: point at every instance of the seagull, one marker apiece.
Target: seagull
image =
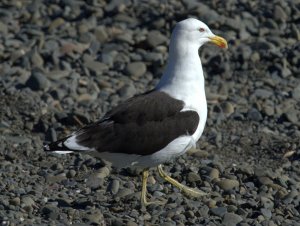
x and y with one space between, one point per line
155 127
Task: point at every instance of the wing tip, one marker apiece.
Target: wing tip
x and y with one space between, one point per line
57 146
46 147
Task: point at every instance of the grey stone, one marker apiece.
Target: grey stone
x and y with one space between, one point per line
55 179
265 180
136 69
101 34
114 186
227 108
37 81
95 217
263 93
193 177
254 114
15 201
231 219
124 192
94 181
219 211
279 14
266 213
127 91
50 211
155 38
292 116
94 66
296 93
228 184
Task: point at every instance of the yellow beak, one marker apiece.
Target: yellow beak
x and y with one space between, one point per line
219 41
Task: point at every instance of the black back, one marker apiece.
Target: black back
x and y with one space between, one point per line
141 125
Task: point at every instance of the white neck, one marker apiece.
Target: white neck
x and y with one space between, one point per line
183 77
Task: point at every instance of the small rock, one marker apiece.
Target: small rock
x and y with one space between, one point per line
292 116
127 91
263 93
57 166
95 218
28 203
124 192
37 81
155 38
231 219
279 14
103 172
131 223
55 179
94 66
71 173
94 181
266 213
219 211
193 177
214 173
37 60
101 34
56 23
228 184
10 156
15 201
52 212
296 93
267 203
254 115
136 69
265 180
114 186
227 108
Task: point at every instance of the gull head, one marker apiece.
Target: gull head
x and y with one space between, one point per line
194 32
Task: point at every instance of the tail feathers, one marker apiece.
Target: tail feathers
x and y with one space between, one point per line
58 147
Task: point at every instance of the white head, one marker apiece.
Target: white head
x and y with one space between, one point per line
194 32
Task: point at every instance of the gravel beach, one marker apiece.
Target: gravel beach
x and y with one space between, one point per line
66 63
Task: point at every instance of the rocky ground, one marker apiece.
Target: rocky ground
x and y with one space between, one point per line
65 63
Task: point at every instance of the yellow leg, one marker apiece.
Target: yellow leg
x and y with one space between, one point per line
144 187
186 190
144 201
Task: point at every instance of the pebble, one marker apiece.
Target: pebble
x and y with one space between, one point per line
114 186
131 223
193 177
136 69
228 184
95 217
266 213
219 211
124 192
94 181
95 66
50 211
279 14
37 81
214 173
51 179
255 115
155 38
127 91
15 201
231 219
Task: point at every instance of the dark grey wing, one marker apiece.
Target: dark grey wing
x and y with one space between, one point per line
142 125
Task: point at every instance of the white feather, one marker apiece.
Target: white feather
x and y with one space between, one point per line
71 143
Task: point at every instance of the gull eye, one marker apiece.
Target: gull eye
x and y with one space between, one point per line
201 29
